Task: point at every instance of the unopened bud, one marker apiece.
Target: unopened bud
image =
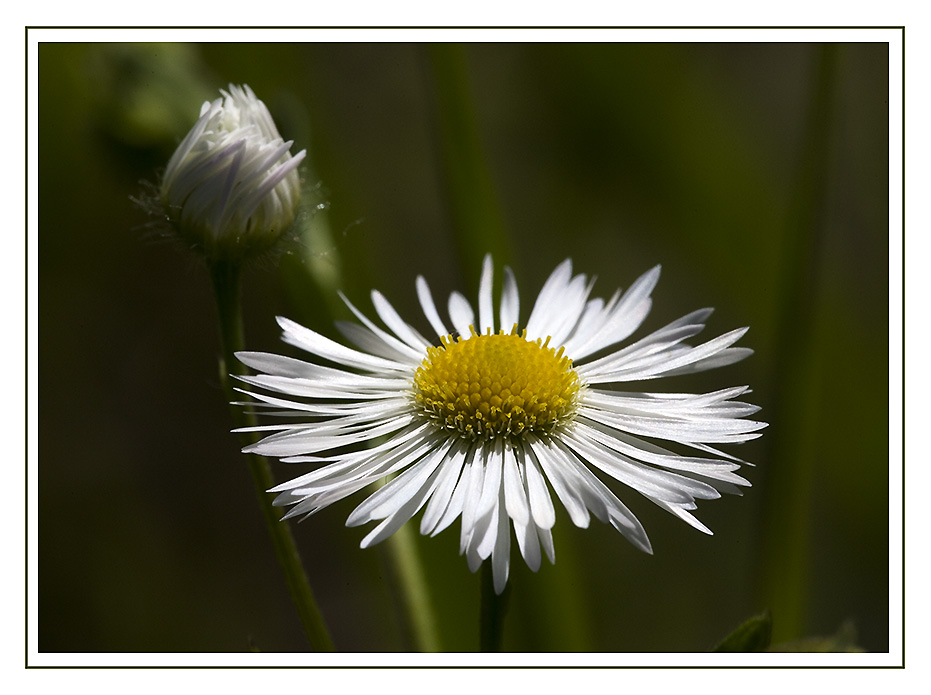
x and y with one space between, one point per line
232 187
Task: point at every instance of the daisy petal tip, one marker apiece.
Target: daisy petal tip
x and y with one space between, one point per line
500 585
286 324
291 514
354 520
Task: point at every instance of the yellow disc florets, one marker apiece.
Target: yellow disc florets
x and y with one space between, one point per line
487 386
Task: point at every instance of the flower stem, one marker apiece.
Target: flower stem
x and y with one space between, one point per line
476 216
226 284
413 590
494 607
785 565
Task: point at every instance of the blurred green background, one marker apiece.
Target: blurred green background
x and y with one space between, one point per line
757 174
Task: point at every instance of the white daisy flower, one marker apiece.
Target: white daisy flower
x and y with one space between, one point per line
232 187
486 423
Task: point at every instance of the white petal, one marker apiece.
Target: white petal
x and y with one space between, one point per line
660 364
686 517
279 365
546 540
501 556
473 559
312 342
515 496
429 308
460 313
455 508
562 312
652 482
387 313
590 323
347 473
446 483
659 345
492 482
629 312
486 315
345 386
638 449
484 534
473 494
529 543
541 504
396 520
552 463
708 431
339 482
510 302
554 286
603 502
389 498
300 442
366 340
716 402
722 359
415 353
415 432
373 406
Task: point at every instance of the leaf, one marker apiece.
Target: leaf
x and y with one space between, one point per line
752 636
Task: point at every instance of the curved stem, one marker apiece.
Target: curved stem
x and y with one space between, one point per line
226 285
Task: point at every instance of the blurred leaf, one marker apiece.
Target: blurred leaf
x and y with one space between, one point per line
752 636
844 640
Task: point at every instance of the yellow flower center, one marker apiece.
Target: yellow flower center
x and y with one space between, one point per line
487 386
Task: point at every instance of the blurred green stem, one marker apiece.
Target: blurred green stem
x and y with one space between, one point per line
476 217
414 590
785 561
226 279
494 607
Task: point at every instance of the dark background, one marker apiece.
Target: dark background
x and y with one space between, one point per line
757 174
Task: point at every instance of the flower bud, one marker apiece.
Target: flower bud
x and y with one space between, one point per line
232 188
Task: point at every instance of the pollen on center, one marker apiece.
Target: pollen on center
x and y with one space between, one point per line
501 385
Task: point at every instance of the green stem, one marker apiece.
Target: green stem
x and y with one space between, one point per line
413 589
494 607
226 284
789 482
476 216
